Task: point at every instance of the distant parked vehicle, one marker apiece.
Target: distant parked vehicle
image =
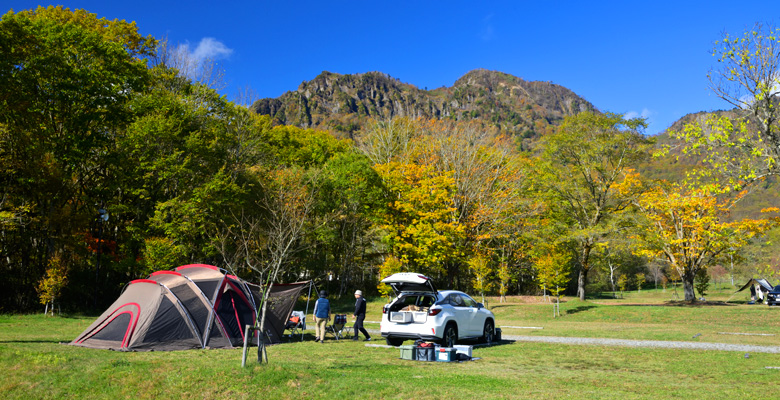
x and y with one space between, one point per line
422 312
773 296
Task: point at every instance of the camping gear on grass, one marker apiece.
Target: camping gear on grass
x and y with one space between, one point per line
758 289
408 352
445 354
194 306
337 329
463 349
426 353
296 324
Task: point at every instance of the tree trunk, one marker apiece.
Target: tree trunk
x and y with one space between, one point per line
261 352
581 283
584 267
688 289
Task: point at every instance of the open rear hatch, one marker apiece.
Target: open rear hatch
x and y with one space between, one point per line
410 282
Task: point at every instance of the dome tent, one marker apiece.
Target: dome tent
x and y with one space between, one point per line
194 306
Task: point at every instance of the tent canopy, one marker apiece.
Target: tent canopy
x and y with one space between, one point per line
763 284
193 306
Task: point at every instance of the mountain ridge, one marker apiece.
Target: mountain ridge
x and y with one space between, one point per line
344 103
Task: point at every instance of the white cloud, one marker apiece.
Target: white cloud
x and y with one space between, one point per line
488 33
746 101
646 114
208 48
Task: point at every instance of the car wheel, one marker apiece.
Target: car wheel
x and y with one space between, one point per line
487 333
394 342
450 336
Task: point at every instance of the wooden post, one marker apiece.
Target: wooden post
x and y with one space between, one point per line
246 338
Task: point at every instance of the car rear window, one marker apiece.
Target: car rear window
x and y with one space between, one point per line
413 303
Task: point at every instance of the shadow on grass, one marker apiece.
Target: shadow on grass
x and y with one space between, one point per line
680 303
579 309
30 341
477 343
603 296
697 304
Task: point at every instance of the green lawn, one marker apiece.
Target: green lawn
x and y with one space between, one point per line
36 365
647 315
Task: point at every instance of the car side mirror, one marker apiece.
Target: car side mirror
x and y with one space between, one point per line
480 306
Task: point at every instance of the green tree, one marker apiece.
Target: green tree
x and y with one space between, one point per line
66 79
702 282
585 175
640 280
623 282
351 199
743 146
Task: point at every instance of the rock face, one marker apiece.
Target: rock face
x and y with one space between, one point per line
342 104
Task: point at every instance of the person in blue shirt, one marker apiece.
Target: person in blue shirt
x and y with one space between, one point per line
321 316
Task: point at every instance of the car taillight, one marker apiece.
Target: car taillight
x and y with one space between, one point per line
433 311
384 310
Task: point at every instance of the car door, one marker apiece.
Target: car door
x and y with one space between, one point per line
473 319
460 313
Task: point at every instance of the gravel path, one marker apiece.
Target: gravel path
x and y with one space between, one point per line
743 348
658 344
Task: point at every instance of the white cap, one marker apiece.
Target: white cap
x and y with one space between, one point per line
358 292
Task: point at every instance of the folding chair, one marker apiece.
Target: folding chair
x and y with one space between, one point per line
338 328
296 324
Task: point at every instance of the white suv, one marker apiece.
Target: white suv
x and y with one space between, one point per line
422 312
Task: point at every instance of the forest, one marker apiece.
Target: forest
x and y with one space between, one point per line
116 160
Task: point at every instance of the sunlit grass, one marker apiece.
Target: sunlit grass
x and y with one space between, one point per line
36 365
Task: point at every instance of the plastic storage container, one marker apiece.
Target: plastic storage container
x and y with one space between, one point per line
408 352
419 317
445 354
401 316
426 353
463 349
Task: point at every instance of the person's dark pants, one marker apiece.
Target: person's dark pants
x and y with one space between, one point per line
359 325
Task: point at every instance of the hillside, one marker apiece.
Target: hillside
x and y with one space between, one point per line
342 104
673 168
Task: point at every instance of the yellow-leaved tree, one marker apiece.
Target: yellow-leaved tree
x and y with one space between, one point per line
689 228
553 269
391 266
479 266
419 227
51 285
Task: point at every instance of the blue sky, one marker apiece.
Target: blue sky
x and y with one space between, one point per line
647 58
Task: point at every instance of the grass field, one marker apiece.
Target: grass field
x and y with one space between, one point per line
36 365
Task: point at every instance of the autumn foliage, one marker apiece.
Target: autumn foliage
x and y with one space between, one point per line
690 228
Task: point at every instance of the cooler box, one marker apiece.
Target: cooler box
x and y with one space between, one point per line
401 316
445 354
408 352
497 335
462 349
426 353
419 317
